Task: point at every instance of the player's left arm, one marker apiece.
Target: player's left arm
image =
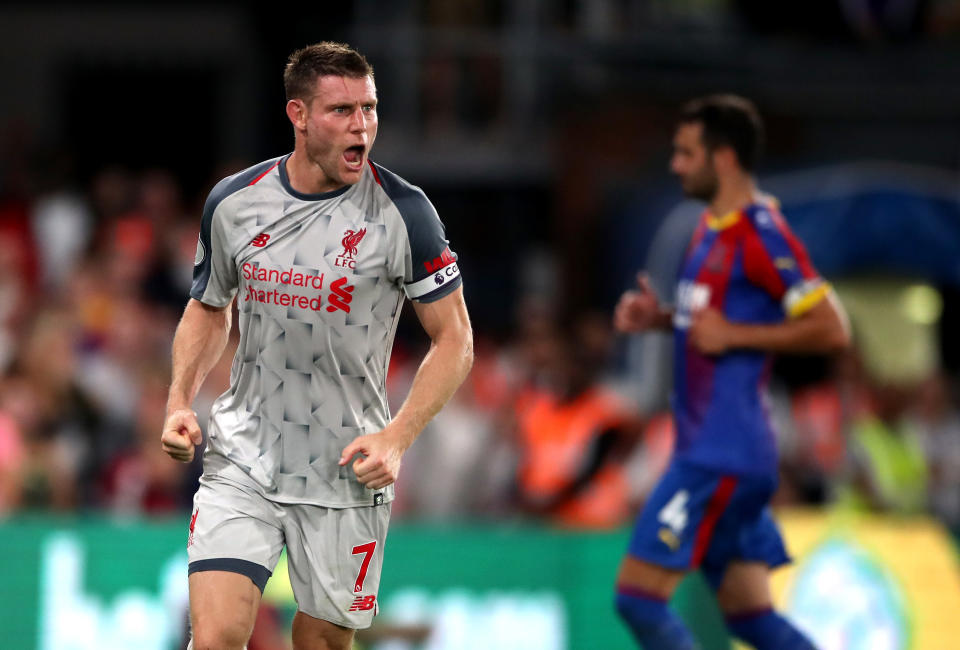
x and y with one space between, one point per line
441 372
823 328
776 261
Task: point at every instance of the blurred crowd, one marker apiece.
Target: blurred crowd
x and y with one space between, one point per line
92 281
93 278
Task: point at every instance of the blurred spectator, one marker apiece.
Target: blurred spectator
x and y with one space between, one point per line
938 421
134 334
112 193
169 280
459 449
89 300
169 272
15 298
61 221
66 434
814 421
12 457
46 475
140 479
889 469
574 437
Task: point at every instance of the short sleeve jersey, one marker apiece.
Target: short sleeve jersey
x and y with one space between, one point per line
319 281
749 266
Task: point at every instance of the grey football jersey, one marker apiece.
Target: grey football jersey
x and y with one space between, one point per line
319 281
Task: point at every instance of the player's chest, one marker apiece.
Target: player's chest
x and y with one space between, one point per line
348 242
315 262
712 274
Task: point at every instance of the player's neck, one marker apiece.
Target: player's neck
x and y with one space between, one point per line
733 194
306 176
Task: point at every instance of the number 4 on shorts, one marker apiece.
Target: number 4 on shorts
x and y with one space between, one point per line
674 514
367 550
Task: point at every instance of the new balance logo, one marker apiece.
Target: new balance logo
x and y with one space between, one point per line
260 240
363 603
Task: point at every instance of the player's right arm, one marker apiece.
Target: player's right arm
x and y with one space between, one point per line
640 310
197 345
205 325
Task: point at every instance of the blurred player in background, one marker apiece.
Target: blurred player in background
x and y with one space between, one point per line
746 289
319 248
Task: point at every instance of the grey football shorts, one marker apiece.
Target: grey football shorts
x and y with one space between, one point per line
334 555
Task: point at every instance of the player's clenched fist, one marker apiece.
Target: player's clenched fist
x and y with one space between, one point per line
379 465
181 433
709 331
638 309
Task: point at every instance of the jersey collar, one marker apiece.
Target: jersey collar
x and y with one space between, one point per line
285 181
724 222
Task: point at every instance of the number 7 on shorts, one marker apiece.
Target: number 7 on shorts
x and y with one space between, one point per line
367 549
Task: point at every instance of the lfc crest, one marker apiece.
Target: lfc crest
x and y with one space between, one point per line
351 239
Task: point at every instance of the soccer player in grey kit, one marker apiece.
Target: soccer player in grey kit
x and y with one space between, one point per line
318 248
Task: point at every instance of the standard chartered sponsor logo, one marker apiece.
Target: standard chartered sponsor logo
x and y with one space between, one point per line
284 276
338 299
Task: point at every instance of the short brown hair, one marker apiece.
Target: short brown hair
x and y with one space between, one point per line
318 60
728 121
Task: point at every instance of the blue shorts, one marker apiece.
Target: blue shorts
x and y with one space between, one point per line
697 517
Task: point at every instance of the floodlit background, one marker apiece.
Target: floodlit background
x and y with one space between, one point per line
541 131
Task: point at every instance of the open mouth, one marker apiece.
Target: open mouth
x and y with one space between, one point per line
354 156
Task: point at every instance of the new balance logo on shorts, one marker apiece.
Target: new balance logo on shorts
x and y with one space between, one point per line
363 603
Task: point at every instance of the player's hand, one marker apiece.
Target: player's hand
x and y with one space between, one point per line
379 465
181 435
708 331
637 309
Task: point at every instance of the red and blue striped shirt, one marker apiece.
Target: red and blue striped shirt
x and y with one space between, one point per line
749 266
